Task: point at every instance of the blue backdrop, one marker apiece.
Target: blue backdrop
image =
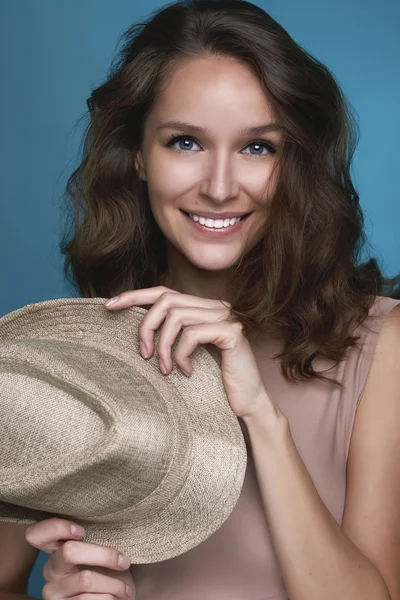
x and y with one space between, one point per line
53 53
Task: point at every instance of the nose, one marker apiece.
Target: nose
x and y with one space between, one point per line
219 183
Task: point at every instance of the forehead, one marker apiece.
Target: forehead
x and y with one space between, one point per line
212 91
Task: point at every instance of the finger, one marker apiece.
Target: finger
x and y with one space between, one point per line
73 553
140 297
50 534
84 582
164 305
148 296
175 320
226 335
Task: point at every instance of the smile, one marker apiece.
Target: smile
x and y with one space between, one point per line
219 227
218 223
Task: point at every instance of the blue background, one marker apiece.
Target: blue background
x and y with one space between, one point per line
54 53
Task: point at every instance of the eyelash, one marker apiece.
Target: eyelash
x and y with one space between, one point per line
175 138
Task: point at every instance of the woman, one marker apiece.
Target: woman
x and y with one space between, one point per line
214 189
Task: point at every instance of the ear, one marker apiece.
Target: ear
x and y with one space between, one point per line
139 165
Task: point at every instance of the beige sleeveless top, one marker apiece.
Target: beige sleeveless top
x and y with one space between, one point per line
237 562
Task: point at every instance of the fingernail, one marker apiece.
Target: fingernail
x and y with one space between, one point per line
78 531
163 367
112 301
128 590
143 350
123 561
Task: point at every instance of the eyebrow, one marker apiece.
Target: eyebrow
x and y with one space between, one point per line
259 130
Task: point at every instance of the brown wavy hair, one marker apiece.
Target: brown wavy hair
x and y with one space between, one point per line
302 280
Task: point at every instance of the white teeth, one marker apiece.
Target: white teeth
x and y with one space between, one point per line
217 224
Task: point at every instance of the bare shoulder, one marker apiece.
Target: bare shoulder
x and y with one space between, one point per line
17 557
371 517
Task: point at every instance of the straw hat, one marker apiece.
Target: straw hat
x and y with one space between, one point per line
151 465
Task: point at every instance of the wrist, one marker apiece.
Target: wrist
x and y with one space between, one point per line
267 420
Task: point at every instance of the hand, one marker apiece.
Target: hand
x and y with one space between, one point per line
204 321
65 572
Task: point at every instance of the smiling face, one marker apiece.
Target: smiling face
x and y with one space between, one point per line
208 165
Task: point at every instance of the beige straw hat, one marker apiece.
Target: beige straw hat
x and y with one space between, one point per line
149 464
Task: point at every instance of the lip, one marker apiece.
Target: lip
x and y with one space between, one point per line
222 232
215 216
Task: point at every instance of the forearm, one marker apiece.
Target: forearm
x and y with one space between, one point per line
317 559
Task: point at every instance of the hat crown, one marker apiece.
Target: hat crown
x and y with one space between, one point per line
79 427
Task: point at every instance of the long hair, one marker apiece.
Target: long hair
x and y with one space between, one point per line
303 278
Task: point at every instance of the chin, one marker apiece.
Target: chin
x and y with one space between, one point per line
213 264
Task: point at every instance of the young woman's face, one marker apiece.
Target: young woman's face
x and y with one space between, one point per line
215 169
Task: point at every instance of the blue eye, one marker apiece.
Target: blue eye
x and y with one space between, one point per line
261 146
180 138
188 141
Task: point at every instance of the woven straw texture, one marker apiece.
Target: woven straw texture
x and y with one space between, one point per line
149 464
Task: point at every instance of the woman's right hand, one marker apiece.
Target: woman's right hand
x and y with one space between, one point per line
77 569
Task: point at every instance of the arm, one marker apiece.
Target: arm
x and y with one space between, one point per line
319 559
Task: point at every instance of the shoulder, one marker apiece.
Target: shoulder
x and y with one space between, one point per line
387 312
391 328
373 469
384 375
384 370
381 393
375 332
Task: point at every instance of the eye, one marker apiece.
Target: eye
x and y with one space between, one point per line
181 138
189 141
259 146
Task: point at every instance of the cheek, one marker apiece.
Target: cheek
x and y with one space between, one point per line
171 176
261 193
266 187
168 179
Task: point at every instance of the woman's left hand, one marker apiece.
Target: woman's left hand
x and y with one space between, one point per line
203 321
